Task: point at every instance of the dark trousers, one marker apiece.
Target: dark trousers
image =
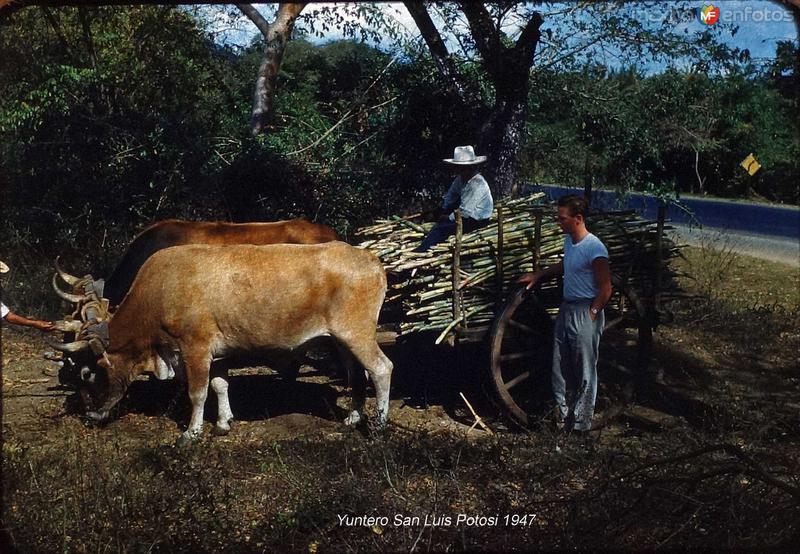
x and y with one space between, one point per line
444 229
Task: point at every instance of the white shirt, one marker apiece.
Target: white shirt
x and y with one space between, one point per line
3 310
474 198
579 283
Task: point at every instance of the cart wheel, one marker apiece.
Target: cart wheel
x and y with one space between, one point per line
521 348
627 336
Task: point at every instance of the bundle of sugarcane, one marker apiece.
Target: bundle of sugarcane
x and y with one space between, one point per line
464 284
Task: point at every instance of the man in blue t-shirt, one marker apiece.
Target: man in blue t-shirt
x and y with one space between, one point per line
587 288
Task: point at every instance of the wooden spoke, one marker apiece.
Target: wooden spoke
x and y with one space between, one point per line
518 355
517 380
517 351
522 327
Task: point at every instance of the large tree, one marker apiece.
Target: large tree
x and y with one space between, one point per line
486 54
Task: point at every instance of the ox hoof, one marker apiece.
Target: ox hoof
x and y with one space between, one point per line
97 417
185 439
220 431
353 419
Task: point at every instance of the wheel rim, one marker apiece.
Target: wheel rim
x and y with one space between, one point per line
627 336
521 348
520 354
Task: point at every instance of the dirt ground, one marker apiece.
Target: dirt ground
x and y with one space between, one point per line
268 405
730 366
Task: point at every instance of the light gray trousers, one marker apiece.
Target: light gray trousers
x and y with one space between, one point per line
575 343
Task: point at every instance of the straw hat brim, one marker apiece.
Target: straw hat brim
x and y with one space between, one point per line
3 268
477 160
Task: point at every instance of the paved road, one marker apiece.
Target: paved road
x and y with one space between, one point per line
766 231
776 249
743 217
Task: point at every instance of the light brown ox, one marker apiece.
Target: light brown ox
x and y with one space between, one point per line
193 304
91 310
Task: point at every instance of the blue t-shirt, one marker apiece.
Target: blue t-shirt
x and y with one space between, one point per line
579 283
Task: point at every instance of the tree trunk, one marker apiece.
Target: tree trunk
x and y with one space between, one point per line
502 143
588 180
508 68
276 35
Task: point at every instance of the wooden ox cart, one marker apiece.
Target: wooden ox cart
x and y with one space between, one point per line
465 291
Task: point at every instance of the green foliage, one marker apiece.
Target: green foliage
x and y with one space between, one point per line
627 130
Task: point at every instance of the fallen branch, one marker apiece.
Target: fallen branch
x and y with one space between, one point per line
757 471
478 420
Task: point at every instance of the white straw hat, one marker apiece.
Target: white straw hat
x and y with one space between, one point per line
3 267
464 155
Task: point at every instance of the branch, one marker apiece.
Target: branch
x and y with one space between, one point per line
570 53
87 36
344 118
255 16
530 34
487 37
437 47
56 29
730 449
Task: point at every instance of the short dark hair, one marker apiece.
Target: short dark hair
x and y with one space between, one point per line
577 204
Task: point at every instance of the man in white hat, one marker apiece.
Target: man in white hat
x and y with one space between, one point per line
469 191
11 317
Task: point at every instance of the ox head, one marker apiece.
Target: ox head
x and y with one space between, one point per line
90 310
85 361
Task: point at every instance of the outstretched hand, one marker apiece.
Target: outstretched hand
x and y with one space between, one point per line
46 326
529 279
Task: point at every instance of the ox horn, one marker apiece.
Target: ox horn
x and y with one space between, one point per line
77 298
68 326
76 346
69 279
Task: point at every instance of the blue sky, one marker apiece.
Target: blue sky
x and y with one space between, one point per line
762 23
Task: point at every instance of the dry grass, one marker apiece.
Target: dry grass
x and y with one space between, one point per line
125 488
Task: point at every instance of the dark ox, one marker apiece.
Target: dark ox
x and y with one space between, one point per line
190 305
174 232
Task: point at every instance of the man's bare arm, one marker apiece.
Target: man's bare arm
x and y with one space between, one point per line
602 276
11 317
530 279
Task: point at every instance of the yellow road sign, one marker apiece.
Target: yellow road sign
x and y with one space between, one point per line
750 164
